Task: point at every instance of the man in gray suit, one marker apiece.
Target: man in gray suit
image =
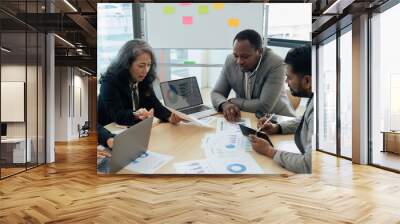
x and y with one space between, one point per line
256 74
298 77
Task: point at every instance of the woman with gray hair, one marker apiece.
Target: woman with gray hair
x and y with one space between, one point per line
126 92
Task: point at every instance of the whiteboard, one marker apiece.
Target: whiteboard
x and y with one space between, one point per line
12 101
200 25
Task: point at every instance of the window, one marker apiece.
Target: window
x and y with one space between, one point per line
346 94
326 91
385 84
22 65
297 26
114 28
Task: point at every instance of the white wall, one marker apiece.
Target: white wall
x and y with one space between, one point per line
33 127
70 83
61 103
14 73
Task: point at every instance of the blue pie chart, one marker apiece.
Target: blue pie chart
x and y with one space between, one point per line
230 146
236 168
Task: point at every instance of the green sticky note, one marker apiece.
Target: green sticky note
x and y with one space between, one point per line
169 10
189 62
202 9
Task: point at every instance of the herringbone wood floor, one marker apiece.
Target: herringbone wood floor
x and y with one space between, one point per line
70 191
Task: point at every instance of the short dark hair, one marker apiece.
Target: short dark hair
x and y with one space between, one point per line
252 36
300 60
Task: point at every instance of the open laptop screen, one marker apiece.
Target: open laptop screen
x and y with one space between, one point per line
181 93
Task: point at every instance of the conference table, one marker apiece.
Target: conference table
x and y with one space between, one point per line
183 142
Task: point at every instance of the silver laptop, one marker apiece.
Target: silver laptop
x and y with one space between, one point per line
184 95
130 144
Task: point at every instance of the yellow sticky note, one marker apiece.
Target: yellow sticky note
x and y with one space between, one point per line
168 10
203 9
218 6
233 22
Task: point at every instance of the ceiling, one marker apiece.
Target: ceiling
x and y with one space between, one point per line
77 23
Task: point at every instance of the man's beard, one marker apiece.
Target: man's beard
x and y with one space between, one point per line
299 93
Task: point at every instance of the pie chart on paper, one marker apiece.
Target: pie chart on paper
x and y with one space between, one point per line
236 168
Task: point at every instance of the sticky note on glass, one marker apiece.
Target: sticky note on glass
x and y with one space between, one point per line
185 4
168 10
202 9
189 62
218 6
233 22
187 20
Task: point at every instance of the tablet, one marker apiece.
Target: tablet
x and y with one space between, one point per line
246 131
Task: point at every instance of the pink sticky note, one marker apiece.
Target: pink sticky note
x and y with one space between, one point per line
187 20
185 4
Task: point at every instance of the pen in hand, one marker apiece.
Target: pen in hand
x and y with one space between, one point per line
265 122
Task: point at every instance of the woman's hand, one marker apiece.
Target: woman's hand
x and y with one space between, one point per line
110 143
102 154
262 146
143 113
174 119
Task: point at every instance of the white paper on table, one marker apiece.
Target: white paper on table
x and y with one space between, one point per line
194 167
148 163
225 145
208 120
243 164
225 126
115 128
119 131
228 140
189 118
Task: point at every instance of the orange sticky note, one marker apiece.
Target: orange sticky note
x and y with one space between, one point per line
187 20
233 22
218 6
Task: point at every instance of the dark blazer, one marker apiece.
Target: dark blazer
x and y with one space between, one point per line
103 135
115 101
268 91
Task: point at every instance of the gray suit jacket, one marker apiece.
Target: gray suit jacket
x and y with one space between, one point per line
298 163
268 92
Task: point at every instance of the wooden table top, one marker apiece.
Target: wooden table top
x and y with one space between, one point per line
183 142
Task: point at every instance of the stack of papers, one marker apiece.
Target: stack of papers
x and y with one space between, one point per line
226 152
243 164
194 167
225 144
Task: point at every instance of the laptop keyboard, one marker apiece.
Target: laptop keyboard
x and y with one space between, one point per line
195 109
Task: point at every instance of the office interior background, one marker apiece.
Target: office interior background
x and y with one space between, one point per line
28 48
49 79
